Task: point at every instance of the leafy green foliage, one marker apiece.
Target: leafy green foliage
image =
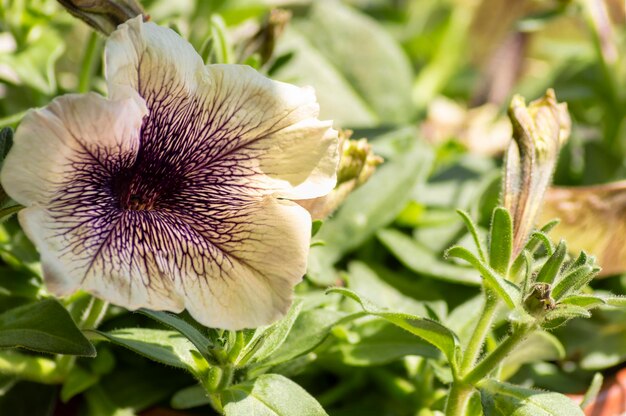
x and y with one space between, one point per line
380 68
272 395
506 399
44 326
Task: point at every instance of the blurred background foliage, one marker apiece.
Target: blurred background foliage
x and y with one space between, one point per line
427 82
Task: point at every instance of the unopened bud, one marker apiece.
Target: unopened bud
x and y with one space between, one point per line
103 15
264 40
539 131
357 163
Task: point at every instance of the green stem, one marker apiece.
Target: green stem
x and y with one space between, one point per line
483 326
458 398
94 313
87 66
494 358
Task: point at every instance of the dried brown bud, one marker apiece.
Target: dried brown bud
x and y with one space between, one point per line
539 131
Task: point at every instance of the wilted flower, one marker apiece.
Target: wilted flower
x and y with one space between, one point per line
539 131
176 191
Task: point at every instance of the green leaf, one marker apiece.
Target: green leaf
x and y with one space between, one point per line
423 261
552 266
505 289
269 395
501 399
619 301
19 283
268 339
348 90
471 227
163 346
362 214
573 281
189 397
44 326
539 346
315 227
585 301
77 381
500 241
34 65
563 313
367 283
593 390
309 330
431 331
378 342
202 342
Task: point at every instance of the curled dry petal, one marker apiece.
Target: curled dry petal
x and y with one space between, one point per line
176 192
539 131
593 219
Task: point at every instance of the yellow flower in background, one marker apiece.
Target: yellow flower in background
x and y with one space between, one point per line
176 191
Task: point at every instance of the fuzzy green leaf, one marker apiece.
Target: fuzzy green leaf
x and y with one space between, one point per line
552 266
431 331
507 399
505 289
163 346
500 241
269 395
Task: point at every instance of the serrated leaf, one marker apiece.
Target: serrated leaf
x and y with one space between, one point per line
500 241
431 331
501 399
269 395
505 289
43 326
163 346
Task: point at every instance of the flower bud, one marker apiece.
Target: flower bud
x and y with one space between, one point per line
539 131
357 164
103 15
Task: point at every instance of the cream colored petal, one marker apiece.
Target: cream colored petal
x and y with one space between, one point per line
49 143
224 111
252 284
105 258
152 60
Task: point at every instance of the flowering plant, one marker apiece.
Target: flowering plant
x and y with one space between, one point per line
185 229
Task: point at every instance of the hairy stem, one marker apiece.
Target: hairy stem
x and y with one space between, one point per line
493 359
483 326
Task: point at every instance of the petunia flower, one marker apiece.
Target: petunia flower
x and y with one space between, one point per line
176 191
